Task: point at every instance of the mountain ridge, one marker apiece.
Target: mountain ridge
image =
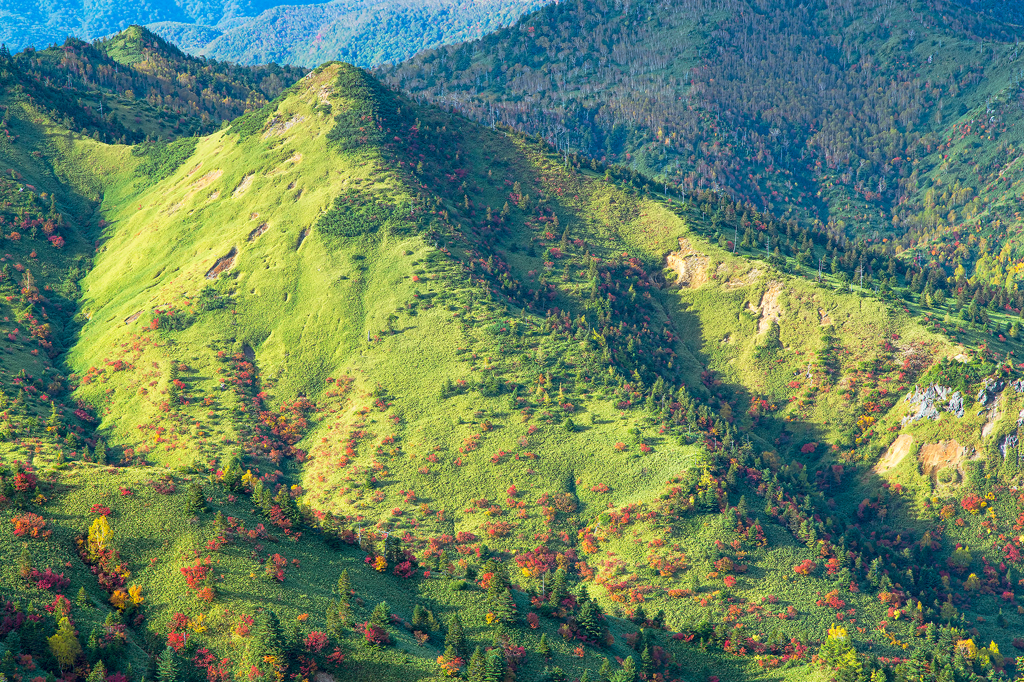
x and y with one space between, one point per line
552 417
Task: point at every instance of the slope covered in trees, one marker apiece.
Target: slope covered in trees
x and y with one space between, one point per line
895 122
135 86
367 32
352 385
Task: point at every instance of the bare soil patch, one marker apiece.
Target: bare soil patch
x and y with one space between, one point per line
223 264
243 185
936 456
690 266
258 231
895 454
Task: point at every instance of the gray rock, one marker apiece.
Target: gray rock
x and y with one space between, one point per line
927 402
1009 442
989 390
956 404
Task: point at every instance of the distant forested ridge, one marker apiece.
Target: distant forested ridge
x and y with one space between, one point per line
363 32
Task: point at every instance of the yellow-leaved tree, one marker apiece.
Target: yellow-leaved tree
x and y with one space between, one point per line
99 536
64 644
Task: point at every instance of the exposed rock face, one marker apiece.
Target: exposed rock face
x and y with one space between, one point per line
989 390
1009 442
928 401
956 404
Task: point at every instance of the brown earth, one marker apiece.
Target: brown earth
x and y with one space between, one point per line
936 456
258 231
690 267
224 263
895 454
769 307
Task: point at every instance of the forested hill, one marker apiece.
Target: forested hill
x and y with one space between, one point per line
298 32
884 121
366 33
135 86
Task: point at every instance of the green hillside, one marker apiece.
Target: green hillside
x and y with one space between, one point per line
892 123
551 422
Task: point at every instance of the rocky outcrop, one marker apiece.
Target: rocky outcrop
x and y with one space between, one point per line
956 404
928 402
989 390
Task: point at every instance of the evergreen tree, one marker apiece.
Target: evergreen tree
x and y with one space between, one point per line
588 621
559 588
455 637
99 453
419 617
195 499
646 661
477 666
543 648
286 502
627 673
344 597
265 649
98 674
380 616
167 666
494 667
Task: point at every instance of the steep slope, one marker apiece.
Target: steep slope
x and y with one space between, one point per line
883 122
322 260
493 383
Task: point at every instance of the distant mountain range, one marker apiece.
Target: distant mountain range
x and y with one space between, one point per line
363 32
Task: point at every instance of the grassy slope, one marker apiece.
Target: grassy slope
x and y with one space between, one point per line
305 310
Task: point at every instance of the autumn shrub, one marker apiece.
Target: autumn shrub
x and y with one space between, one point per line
30 525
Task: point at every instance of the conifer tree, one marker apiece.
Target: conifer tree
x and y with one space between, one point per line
343 608
494 667
559 588
167 666
98 674
195 498
477 666
543 648
588 621
455 637
627 673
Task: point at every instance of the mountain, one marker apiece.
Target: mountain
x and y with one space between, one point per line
368 32
890 123
365 33
135 86
353 386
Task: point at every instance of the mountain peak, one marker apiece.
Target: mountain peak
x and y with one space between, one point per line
130 46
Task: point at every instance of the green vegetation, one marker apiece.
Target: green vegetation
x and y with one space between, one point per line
366 33
900 136
440 400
